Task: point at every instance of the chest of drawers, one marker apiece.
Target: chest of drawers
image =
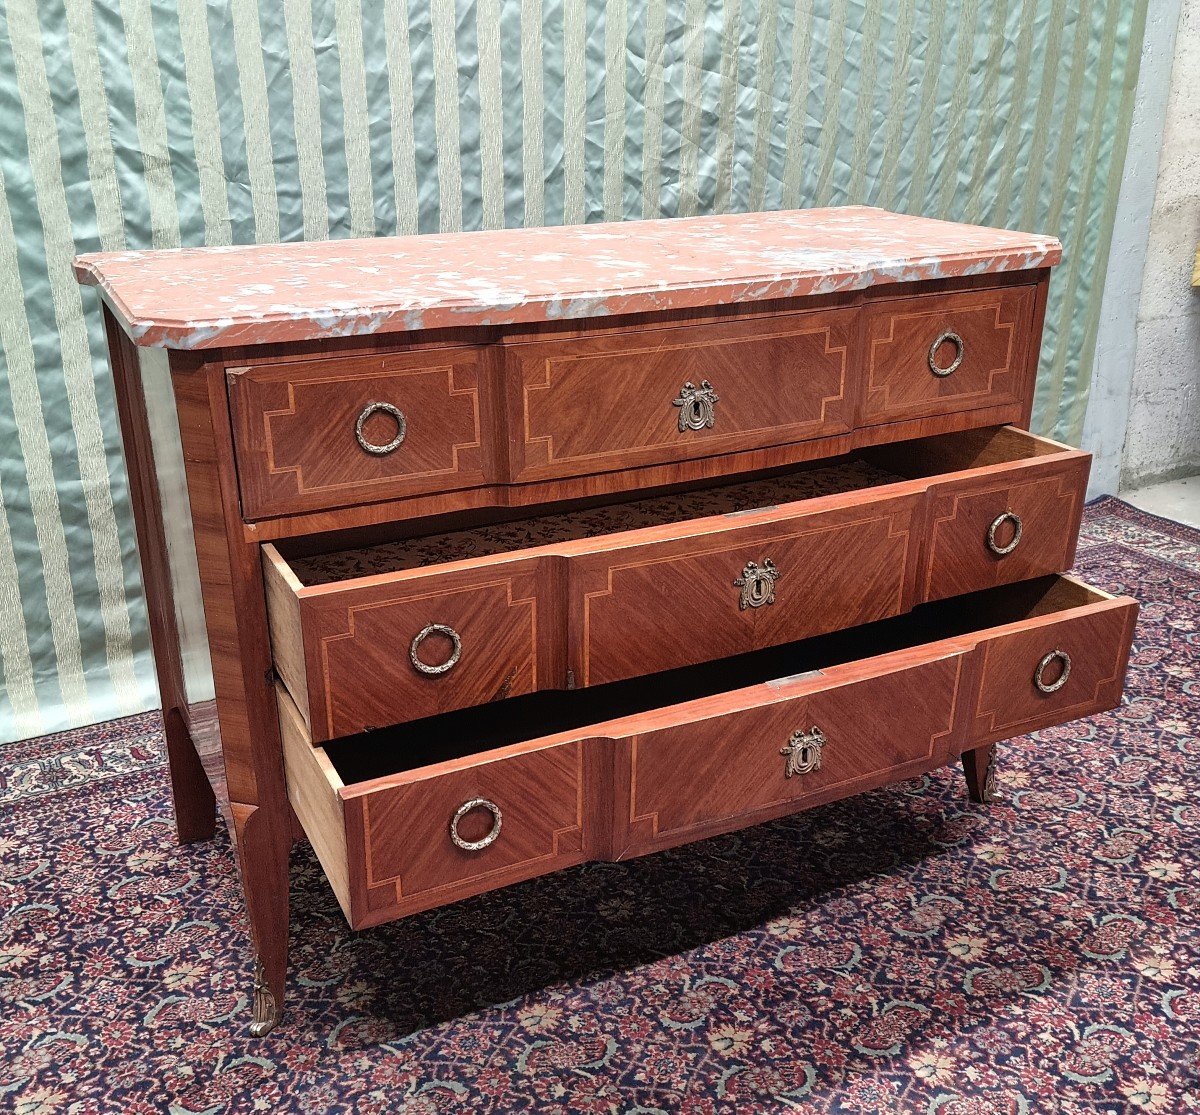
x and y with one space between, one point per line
473 557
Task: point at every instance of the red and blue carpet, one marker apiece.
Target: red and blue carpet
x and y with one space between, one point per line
904 951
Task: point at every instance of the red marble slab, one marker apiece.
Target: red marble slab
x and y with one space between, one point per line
211 297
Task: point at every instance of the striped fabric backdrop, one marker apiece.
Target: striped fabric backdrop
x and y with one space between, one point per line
134 123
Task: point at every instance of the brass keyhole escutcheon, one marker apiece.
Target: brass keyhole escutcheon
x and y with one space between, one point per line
697 406
803 751
757 583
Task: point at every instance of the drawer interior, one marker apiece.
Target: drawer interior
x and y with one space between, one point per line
477 730
871 468
843 475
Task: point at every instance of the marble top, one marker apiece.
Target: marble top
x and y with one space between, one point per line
192 298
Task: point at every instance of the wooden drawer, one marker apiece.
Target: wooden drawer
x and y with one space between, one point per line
376 651
882 719
1089 644
618 591
913 343
617 771
300 445
1003 506
637 606
592 404
1011 525
688 779
386 845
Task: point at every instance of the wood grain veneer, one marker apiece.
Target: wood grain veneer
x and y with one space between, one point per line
663 774
532 405
993 330
537 494
295 424
694 779
592 404
521 409
599 607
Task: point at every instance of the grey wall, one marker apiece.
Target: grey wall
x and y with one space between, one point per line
1162 439
1117 341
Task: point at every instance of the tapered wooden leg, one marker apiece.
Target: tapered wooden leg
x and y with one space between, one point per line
192 793
979 765
195 802
263 843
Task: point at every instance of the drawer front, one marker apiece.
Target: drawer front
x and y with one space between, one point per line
480 645
982 360
678 602
631 399
335 432
404 856
665 774
694 779
1012 527
1096 644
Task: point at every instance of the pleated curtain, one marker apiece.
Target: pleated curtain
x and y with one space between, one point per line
142 123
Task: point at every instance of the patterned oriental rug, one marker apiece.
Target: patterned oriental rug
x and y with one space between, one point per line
903 951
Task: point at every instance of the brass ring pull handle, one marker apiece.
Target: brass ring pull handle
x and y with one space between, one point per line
1039 674
757 583
803 751
463 810
997 523
944 338
697 406
370 446
444 667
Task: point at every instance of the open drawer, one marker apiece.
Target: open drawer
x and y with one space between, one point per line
424 813
401 630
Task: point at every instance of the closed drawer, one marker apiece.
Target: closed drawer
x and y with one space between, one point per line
943 353
398 631
623 400
334 432
553 779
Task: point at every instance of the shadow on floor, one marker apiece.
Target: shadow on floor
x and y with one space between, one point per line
576 927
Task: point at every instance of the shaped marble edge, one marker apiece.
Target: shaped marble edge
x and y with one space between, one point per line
196 298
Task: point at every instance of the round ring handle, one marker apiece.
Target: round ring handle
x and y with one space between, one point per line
463 810
997 523
372 447
1054 686
957 342
444 667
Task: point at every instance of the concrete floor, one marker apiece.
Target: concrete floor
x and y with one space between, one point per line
1176 499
